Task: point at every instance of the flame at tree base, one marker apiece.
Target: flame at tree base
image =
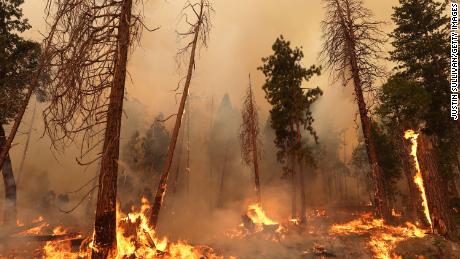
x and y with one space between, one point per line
418 178
135 239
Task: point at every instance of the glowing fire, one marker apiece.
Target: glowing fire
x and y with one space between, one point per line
61 249
254 221
257 215
418 178
383 237
135 239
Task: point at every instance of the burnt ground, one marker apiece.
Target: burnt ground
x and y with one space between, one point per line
316 241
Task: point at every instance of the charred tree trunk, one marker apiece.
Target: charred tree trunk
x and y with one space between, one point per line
179 161
161 190
9 208
436 189
380 197
220 201
349 40
26 148
105 221
415 211
294 188
303 201
255 153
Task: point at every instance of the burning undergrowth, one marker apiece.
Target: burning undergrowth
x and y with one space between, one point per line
135 239
257 236
383 238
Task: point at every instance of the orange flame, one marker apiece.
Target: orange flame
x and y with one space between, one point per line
418 178
135 238
257 215
383 238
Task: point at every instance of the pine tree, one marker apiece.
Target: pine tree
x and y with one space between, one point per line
421 51
291 105
351 49
249 137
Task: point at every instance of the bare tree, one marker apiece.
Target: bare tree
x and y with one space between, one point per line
351 48
249 136
199 31
89 58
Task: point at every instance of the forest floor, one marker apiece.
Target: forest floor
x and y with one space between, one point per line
338 233
341 235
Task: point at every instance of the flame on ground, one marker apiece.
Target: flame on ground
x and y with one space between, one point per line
383 238
257 215
135 239
418 178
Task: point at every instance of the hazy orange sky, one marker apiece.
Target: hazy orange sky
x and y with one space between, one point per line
243 32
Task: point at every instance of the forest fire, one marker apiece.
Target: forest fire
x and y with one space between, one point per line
142 155
383 237
135 238
418 178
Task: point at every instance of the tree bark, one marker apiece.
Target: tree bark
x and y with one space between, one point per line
220 201
26 147
436 189
380 197
294 189
161 190
9 207
415 210
303 201
105 221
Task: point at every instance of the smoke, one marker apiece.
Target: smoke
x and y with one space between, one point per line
242 33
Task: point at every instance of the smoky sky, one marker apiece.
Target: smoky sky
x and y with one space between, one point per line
242 33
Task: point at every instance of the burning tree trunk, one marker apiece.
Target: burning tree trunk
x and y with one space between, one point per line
303 201
200 32
408 167
249 137
105 221
436 189
89 52
9 207
352 44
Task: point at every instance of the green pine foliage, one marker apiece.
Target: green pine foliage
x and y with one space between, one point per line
18 59
291 104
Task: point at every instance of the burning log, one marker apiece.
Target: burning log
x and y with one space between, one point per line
8 231
46 238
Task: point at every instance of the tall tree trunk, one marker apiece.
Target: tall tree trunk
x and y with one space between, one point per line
26 147
294 188
303 201
105 221
255 153
9 207
220 201
436 189
415 210
380 197
179 161
161 190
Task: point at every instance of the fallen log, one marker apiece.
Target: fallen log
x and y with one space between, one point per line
7 231
43 238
